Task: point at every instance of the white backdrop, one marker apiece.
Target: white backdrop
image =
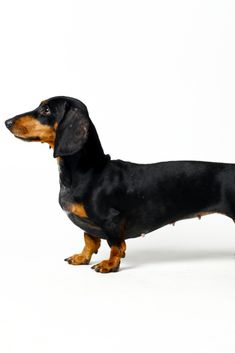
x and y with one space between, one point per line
158 78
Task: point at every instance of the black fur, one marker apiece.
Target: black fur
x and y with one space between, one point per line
123 199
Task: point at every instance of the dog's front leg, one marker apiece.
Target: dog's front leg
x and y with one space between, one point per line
113 263
92 245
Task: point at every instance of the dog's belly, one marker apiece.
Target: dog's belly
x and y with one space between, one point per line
144 223
136 228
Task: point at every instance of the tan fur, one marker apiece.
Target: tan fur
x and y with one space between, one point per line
113 263
29 127
77 209
91 247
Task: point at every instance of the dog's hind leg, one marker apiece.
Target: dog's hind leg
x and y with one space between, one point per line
91 247
113 263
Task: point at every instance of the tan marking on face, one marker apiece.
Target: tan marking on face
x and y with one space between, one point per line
27 127
78 209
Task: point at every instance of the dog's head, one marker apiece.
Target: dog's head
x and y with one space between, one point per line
62 122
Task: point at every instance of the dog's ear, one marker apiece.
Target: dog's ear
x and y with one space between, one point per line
72 132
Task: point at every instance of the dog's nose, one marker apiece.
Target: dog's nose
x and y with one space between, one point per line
9 123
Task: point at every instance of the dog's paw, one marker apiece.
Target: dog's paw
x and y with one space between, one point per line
106 266
77 259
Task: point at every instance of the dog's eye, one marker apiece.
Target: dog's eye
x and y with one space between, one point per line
45 110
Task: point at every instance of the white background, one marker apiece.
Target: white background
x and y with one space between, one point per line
158 78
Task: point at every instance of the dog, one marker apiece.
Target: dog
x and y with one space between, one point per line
113 199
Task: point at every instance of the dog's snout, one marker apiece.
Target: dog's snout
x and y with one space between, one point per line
9 123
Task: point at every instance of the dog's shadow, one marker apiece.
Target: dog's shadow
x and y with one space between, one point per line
139 257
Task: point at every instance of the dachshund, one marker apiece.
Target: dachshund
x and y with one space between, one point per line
113 199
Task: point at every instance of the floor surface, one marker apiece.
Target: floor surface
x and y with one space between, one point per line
175 292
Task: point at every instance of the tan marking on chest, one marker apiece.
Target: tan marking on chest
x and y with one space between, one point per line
78 209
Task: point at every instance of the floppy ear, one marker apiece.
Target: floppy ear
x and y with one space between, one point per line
72 133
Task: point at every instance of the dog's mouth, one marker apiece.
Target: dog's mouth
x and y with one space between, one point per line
28 139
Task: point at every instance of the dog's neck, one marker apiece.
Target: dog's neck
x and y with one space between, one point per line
76 168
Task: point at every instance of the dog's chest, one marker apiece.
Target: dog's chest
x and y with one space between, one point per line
65 197
69 205
77 213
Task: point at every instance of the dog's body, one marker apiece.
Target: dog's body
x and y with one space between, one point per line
124 200
113 199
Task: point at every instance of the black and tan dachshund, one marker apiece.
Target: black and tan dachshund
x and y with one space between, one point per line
117 200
